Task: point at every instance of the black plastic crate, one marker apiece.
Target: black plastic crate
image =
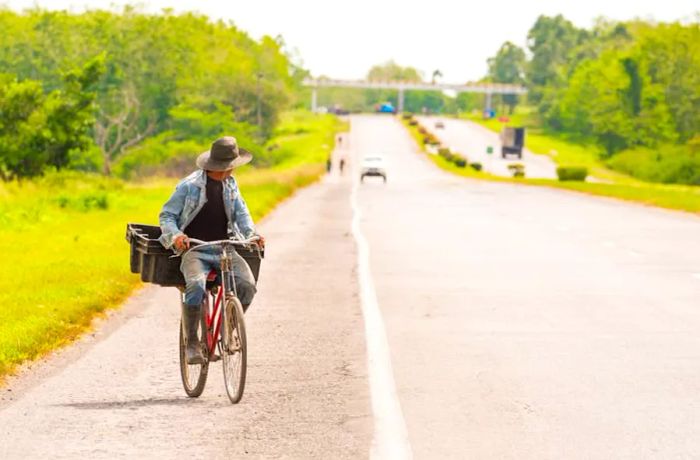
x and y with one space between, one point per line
156 264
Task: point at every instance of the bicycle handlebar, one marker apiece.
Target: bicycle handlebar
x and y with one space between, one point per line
201 244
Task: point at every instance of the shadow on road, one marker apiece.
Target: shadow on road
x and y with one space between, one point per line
129 404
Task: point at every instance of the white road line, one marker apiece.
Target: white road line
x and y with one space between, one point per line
390 439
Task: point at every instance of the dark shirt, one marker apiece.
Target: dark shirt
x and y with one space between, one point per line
210 223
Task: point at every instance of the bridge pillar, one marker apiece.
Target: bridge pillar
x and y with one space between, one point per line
314 98
400 103
488 102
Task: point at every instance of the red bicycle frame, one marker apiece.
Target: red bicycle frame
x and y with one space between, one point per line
213 316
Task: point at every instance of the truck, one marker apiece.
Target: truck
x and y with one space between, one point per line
512 141
386 107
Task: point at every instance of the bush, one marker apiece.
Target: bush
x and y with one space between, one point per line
517 169
461 162
572 173
476 166
84 202
413 122
88 160
429 139
407 115
159 155
446 153
668 164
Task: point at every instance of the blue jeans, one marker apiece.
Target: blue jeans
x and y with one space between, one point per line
197 264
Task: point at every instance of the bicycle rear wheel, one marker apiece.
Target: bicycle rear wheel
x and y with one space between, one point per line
234 349
194 376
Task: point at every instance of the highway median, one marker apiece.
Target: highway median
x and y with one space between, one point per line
615 185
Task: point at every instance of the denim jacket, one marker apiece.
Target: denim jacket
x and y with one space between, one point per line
189 198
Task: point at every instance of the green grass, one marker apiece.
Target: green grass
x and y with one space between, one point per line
302 142
678 197
64 254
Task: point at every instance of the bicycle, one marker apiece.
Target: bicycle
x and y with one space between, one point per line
221 329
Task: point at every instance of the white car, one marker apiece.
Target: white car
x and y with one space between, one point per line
372 165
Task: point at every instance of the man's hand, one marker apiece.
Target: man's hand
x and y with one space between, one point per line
261 242
181 242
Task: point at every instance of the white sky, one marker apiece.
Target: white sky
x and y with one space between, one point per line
343 39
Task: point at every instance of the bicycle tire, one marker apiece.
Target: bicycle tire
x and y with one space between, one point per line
194 376
234 350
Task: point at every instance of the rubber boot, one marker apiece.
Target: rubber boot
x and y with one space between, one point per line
190 321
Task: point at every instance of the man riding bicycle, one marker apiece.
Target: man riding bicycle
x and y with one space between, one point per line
207 205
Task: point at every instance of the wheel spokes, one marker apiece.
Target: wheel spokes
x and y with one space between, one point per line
234 356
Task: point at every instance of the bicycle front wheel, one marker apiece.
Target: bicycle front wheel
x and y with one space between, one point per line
234 349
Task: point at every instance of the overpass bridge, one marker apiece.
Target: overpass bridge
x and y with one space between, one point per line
488 89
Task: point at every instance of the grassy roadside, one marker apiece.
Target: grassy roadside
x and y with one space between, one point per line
65 259
677 197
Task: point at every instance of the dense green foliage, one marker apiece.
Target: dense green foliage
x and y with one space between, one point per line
630 88
391 71
171 154
666 164
627 94
39 129
160 76
508 66
551 41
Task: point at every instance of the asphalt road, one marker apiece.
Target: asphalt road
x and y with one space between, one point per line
501 321
529 322
471 139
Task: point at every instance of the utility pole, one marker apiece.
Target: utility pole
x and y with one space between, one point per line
259 75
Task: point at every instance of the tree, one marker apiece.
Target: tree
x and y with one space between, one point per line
122 125
39 130
669 56
71 112
152 64
23 117
508 66
610 101
550 41
391 71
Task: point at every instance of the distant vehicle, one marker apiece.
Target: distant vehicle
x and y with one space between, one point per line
372 166
488 114
338 110
386 107
439 124
512 141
